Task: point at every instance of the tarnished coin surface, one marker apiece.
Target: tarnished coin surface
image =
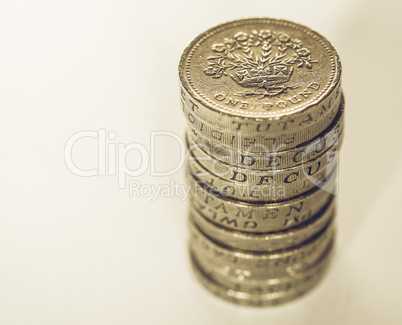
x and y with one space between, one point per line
267 242
227 262
264 107
283 185
264 293
300 154
261 75
259 218
259 142
261 177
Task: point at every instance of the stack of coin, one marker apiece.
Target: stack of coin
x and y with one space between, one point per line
265 112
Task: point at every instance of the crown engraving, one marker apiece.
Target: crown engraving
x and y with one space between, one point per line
263 60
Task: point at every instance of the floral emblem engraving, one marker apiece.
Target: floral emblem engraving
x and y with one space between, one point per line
263 60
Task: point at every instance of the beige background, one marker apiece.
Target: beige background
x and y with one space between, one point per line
78 250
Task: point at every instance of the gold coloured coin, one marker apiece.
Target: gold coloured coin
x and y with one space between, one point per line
268 242
259 142
251 177
265 293
302 153
250 266
283 185
265 120
261 75
259 217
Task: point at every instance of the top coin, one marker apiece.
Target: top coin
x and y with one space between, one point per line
260 69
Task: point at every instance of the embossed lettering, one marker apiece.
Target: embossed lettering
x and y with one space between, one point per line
239 125
248 215
291 177
247 160
220 97
191 118
193 106
307 119
305 93
314 85
250 225
310 172
260 127
232 102
293 207
221 206
273 161
216 134
243 177
266 179
294 99
228 221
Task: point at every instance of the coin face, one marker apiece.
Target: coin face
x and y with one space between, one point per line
259 68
